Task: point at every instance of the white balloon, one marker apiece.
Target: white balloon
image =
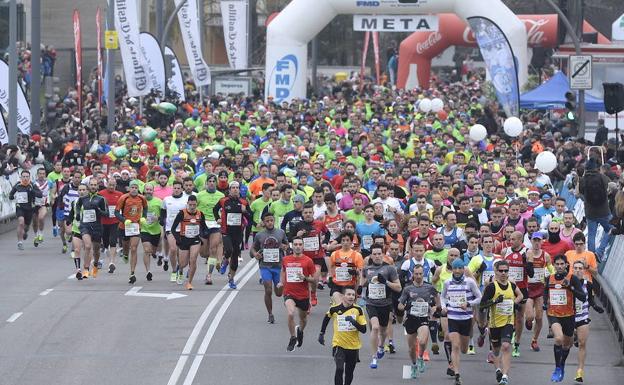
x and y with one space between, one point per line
546 161
478 132
437 105
513 126
425 105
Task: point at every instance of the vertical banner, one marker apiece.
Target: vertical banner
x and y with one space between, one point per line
500 62
235 31
127 25
78 49
98 31
175 83
188 17
377 62
4 135
364 53
23 109
154 62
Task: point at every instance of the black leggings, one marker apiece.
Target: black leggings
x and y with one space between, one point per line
109 236
345 359
232 249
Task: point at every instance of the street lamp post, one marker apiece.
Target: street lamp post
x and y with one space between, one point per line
13 72
35 78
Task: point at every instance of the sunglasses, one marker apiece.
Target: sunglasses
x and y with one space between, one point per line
579 243
503 271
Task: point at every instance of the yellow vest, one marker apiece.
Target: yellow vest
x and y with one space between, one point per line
502 314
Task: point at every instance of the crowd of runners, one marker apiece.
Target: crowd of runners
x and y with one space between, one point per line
395 215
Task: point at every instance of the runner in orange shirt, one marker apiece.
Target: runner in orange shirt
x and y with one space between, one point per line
580 253
345 266
131 211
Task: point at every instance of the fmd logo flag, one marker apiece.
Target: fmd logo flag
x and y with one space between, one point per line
284 76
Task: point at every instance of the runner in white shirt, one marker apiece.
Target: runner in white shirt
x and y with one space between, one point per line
170 208
391 205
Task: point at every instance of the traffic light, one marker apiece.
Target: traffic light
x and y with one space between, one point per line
570 106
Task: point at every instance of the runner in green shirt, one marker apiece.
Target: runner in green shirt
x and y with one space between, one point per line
257 207
282 206
206 201
150 228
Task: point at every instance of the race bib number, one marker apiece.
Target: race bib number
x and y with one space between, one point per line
344 325
486 277
311 244
21 197
419 309
516 273
292 274
376 291
151 218
342 274
270 255
111 212
578 306
234 219
132 230
538 275
39 201
191 231
88 216
367 241
505 308
457 298
212 224
558 296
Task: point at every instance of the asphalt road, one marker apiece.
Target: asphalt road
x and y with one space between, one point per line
57 330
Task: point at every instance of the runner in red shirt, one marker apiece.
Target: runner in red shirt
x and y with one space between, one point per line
110 223
298 273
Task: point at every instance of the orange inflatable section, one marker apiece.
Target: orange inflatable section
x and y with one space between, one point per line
421 47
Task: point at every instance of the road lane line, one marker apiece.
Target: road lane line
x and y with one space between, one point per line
213 328
72 276
46 292
177 371
14 317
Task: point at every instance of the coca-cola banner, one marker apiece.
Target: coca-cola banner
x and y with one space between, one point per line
500 62
421 47
127 25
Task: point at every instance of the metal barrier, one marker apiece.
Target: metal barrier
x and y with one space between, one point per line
7 207
611 282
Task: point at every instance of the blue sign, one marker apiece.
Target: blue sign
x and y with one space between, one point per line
284 76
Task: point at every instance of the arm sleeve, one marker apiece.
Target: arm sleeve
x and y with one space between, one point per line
530 271
12 193
119 210
575 285
176 222
590 294
325 322
443 295
103 207
202 225
403 297
70 217
162 216
77 209
37 192
487 297
476 292
216 210
360 327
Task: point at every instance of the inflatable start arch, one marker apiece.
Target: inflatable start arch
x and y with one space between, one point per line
501 36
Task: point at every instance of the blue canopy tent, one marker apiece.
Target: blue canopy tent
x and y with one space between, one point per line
551 95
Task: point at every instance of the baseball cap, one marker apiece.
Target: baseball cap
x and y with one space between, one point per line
458 264
537 234
299 198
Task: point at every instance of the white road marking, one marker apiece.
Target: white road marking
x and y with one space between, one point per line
407 372
46 292
190 343
14 317
73 276
213 328
134 292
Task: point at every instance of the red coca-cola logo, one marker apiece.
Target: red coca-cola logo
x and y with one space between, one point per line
432 39
468 36
535 31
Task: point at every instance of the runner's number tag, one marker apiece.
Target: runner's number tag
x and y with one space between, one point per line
88 216
344 325
342 274
234 219
132 230
21 197
111 212
558 296
419 309
539 273
270 255
376 291
486 277
505 308
516 273
292 274
191 231
311 244
457 298
367 241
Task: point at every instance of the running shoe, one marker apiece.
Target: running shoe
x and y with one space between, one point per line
149 276
426 356
534 346
550 334
516 351
20 245
373 364
380 352
291 344
528 324
180 278
55 231
471 351
173 277
579 375
481 340
132 279
490 357
99 265
111 268
94 271
260 281
166 265
125 258
414 372
313 299
420 364
435 348
160 261
85 274
458 380
556 376
25 235
299 335
64 249
188 286
499 375
450 372
36 241
320 286
232 284
271 319
223 267
79 275
504 380
391 348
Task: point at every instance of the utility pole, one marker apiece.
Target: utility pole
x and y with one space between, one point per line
110 59
35 78
577 49
13 72
163 41
159 19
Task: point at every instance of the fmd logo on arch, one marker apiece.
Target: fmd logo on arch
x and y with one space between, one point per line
361 3
284 76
